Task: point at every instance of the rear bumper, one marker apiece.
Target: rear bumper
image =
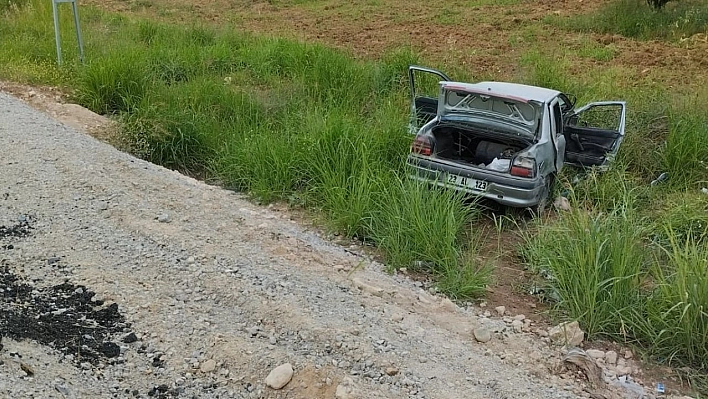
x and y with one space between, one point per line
505 189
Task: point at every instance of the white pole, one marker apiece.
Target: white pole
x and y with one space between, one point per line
56 31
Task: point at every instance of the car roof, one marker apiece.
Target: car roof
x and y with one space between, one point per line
514 91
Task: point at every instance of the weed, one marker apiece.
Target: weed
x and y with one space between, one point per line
685 156
596 264
419 226
676 320
114 84
592 50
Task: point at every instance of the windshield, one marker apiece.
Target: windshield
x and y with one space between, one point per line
525 113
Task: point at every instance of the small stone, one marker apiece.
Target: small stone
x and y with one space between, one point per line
130 338
342 392
27 369
190 260
62 389
595 353
568 334
481 334
163 218
208 366
110 349
623 370
391 371
520 317
562 204
517 325
366 287
339 268
448 305
397 317
500 310
279 376
611 357
628 354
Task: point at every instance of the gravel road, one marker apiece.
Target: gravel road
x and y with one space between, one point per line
136 281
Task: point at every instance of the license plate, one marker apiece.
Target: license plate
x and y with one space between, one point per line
462 181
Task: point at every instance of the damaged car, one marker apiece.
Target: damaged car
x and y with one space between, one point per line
506 141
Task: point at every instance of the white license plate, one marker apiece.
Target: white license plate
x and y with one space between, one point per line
477 185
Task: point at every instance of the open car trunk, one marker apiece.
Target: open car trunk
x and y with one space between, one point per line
476 147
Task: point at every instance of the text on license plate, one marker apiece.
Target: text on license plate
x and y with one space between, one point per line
479 185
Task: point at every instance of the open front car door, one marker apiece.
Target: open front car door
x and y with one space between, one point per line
594 133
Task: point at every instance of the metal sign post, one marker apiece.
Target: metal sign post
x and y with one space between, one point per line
76 24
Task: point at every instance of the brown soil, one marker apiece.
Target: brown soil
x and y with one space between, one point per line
55 102
487 40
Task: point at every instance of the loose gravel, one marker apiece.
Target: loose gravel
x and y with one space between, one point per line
123 279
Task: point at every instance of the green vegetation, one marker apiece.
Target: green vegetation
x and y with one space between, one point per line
310 125
595 261
629 260
632 18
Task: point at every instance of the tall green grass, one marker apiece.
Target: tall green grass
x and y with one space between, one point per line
675 324
634 18
685 156
597 264
628 261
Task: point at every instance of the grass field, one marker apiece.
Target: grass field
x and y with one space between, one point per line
318 120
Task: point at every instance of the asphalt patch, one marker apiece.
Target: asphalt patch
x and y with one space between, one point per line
65 317
20 229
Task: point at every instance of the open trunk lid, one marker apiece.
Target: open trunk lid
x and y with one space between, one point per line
485 106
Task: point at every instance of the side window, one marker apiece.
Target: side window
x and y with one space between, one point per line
557 119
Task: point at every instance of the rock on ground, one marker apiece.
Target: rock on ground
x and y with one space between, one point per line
279 376
568 334
482 334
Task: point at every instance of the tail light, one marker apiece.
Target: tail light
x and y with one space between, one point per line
422 145
523 167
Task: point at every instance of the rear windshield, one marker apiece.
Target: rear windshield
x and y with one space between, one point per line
460 101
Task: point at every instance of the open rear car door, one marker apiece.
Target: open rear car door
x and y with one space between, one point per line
425 89
594 133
